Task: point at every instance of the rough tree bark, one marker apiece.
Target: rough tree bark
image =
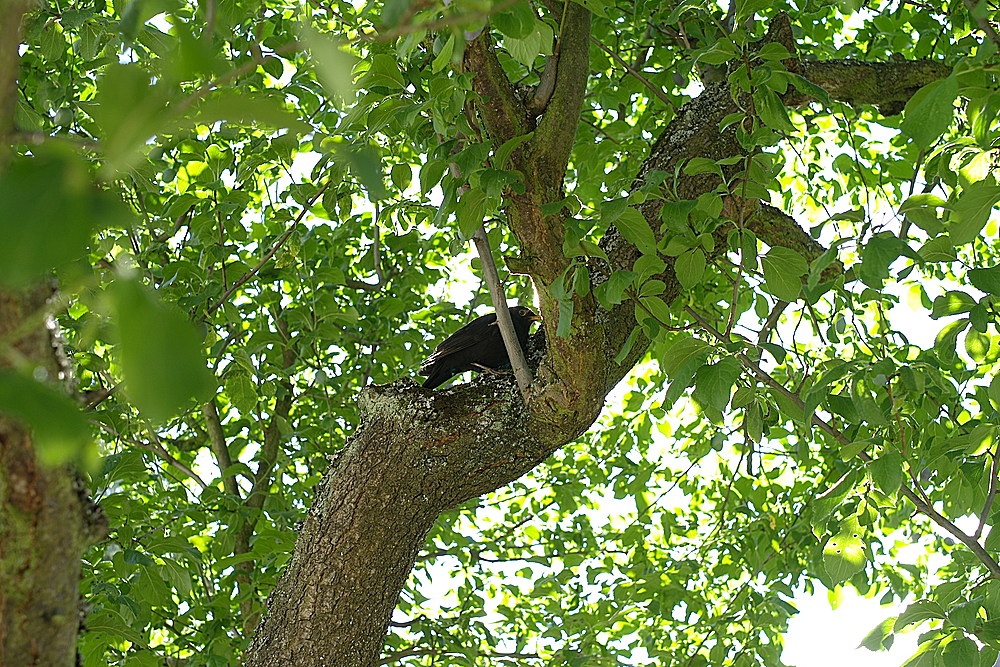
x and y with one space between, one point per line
46 519
417 453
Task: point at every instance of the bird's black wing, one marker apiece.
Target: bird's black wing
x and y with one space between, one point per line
472 333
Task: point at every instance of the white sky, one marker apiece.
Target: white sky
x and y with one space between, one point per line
820 636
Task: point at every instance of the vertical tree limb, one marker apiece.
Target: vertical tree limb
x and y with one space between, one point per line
514 351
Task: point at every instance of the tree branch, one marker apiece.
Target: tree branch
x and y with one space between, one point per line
886 86
262 479
514 351
271 251
923 506
656 90
217 444
156 449
553 140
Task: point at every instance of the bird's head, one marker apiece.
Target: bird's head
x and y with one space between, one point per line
526 313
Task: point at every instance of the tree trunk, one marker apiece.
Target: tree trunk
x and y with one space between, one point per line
418 453
46 520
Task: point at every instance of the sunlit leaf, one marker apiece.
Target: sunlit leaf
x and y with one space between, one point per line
783 271
929 112
972 210
332 62
844 553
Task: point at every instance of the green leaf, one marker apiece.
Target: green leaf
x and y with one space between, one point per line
952 303
178 577
881 251
129 110
517 20
701 165
848 452
960 652
658 308
773 51
245 108
652 288
598 7
365 163
443 58
743 397
988 280
714 383
502 154
471 211
110 622
940 249
401 174
876 640
887 472
977 345
929 112
972 210
629 342
610 292
430 174
565 317
771 110
648 265
946 340
981 439
683 350
721 52
754 420
917 612
50 210
994 391
832 498
806 86
922 200
783 271
844 553
242 392
636 230
393 11
690 267
966 614
60 432
383 72
160 352
925 655
538 43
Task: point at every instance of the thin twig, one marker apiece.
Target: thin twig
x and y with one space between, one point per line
514 351
922 506
983 22
217 443
991 494
376 256
270 253
643 80
156 449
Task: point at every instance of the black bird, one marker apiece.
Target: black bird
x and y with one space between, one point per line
477 346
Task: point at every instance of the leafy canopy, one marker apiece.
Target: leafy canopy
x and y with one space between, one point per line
263 191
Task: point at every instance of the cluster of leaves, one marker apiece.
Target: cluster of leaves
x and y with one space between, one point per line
700 570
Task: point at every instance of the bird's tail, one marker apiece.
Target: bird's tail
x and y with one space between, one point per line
437 377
